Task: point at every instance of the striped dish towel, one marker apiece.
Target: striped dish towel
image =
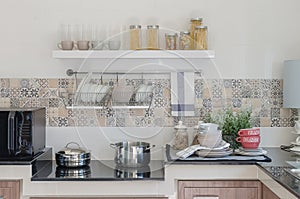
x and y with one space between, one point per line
182 94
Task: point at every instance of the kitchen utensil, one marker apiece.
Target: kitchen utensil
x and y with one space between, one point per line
132 154
73 156
251 142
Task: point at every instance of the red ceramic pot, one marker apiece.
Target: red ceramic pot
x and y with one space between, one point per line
249 142
249 132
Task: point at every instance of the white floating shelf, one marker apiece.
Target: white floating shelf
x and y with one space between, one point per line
101 107
133 54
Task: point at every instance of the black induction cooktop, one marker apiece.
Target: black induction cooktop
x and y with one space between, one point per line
100 170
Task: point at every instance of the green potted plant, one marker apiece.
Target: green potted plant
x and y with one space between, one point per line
232 123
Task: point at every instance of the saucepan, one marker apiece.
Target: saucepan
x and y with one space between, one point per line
132 154
73 156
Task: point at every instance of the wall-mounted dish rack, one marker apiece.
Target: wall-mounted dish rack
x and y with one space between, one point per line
93 93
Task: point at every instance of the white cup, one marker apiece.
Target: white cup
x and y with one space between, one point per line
297 126
97 45
114 44
298 140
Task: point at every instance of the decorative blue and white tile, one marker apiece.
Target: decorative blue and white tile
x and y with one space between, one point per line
5 102
120 122
207 103
53 102
43 102
4 83
4 92
285 122
275 113
275 122
227 83
236 103
63 83
111 121
236 93
26 83
217 92
198 88
266 84
237 83
255 122
14 102
62 122
149 112
160 102
14 92
42 83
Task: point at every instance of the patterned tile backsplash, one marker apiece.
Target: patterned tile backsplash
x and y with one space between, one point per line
262 96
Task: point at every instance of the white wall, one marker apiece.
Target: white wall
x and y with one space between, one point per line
251 37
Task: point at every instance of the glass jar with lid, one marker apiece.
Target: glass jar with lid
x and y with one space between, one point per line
181 136
194 22
171 41
185 41
135 37
200 38
152 37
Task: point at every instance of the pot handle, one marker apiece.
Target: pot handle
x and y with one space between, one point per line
112 145
75 143
150 147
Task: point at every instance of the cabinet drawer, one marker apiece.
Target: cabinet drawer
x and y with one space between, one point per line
219 189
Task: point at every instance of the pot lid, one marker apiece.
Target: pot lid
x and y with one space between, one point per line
77 150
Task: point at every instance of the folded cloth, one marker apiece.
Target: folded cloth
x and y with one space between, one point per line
182 94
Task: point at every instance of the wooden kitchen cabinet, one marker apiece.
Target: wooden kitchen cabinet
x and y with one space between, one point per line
98 197
9 189
220 189
268 194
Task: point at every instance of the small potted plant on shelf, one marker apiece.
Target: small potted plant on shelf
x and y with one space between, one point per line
230 123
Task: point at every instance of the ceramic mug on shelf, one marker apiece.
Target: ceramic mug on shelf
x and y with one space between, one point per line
84 45
66 45
249 142
114 44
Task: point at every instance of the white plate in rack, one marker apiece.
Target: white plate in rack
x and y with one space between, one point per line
248 153
295 143
296 132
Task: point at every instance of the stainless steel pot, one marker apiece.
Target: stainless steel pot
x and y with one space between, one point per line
73 172
126 172
132 154
73 157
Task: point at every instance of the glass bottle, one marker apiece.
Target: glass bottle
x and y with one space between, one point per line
152 37
185 41
171 41
181 136
194 22
135 37
200 38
